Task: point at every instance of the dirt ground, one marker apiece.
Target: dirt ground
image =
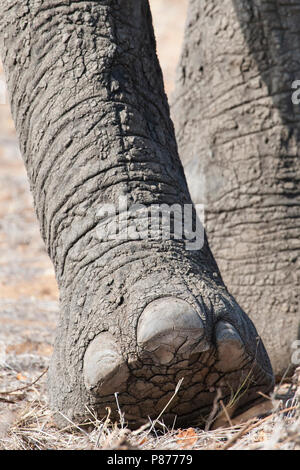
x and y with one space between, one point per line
29 312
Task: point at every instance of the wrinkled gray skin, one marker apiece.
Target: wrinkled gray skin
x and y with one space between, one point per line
238 136
93 122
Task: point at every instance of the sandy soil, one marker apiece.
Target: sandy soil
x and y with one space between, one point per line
29 301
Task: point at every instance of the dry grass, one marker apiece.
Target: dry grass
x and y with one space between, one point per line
26 423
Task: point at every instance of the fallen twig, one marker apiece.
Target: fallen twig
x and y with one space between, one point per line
226 413
243 431
250 426
8 401
213 414
8 392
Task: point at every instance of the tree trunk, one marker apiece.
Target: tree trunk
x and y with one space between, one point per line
137 313
238 137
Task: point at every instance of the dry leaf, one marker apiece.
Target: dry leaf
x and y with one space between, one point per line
21 377
186 438
143 441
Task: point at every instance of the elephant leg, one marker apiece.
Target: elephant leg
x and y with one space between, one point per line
139 310
236 117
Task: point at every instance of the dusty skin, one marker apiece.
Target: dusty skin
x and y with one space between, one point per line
237 130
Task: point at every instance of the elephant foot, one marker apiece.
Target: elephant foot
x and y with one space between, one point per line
174 342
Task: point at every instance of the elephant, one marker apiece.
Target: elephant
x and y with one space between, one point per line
146 323
237 129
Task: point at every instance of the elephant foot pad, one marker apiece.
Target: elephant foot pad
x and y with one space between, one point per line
172 349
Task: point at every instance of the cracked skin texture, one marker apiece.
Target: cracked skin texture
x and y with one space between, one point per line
238 137
93 123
